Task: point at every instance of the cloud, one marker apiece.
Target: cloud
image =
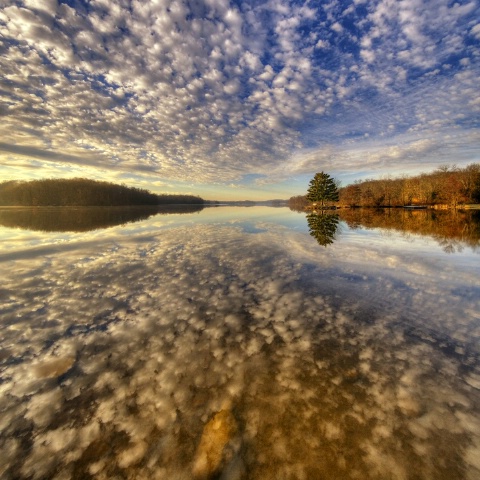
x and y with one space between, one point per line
337 27
476 31
217 91
322 44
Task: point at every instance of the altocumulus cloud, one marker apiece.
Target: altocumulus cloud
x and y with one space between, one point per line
215 90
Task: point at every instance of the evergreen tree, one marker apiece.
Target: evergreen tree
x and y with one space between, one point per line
322 189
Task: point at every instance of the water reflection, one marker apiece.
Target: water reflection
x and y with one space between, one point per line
453 230
323 227
209 352
83 219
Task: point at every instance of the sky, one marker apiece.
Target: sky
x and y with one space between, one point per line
237 100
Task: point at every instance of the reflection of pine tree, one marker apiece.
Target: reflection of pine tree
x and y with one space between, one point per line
323 227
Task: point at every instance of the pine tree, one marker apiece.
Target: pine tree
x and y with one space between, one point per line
322 189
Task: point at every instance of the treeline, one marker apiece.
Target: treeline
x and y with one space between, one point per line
298 203
83 192
448 186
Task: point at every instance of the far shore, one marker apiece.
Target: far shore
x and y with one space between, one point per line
308 208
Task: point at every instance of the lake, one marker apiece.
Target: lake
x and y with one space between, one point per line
239 343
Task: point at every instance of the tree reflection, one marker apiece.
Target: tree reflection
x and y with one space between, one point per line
323 227
83 219
452 229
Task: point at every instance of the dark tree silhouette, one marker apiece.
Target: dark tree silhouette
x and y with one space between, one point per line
84 192
322 189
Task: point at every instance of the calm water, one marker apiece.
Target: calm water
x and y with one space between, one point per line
239 343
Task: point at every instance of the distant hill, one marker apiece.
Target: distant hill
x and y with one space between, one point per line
84 192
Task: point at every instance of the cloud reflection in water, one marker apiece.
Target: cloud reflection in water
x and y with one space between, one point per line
118 359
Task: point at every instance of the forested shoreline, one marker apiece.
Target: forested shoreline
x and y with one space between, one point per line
84 192
448 186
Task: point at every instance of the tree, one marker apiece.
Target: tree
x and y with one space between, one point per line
351 195
84 192
298 203
449 185
322 189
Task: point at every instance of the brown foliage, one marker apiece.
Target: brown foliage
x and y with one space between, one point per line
298 203
447 185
